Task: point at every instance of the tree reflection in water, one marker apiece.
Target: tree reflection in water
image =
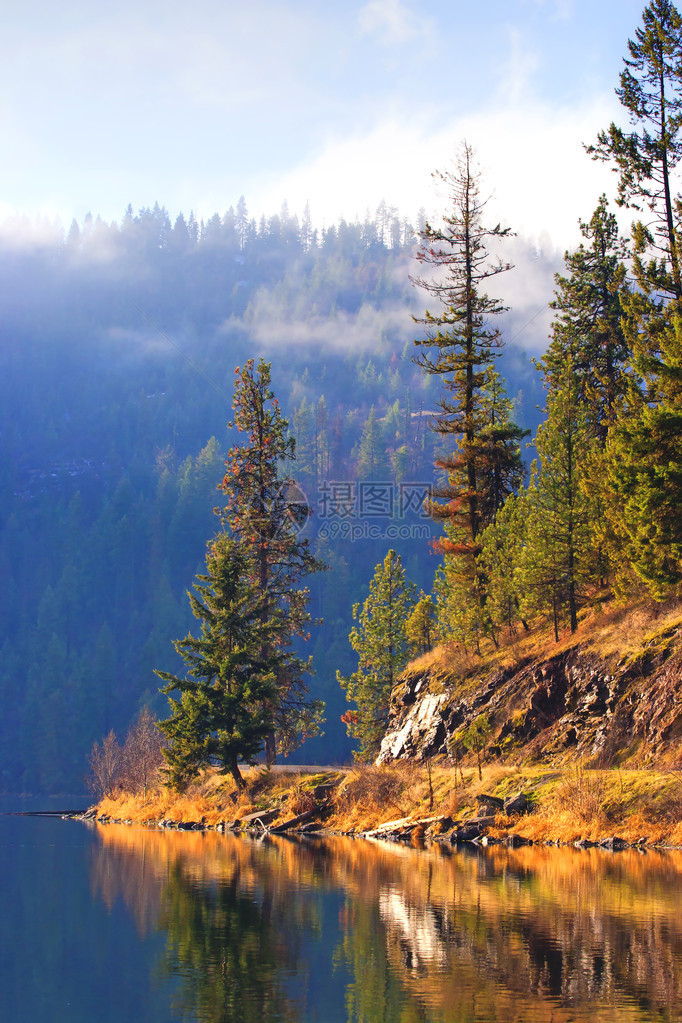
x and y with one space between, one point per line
229 948
362 932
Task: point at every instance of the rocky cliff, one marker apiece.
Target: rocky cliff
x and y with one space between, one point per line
573 705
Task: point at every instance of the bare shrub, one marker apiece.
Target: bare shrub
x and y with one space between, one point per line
583 793
106 762
301 801
453 803
373 787
142 756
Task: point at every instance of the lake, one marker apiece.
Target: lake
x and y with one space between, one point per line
115 923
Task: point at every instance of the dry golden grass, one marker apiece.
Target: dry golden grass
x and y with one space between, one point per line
567 804
607 629
213 798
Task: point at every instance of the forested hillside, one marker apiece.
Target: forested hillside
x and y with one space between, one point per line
118 345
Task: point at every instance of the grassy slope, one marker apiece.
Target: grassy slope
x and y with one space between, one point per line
569 803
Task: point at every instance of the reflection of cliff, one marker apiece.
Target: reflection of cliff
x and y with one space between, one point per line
527 934
579 934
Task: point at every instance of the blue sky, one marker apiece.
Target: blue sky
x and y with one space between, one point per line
340 103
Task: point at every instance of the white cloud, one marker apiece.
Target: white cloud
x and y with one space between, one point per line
532 158
271 325
391 22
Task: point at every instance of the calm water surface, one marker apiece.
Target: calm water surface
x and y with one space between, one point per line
121 924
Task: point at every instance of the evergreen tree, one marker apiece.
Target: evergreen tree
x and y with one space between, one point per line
420 627
643 460
644 465
646 157
459 347
380 640
558 556
372 461
502 544
260 513
587 328
501 468
227 697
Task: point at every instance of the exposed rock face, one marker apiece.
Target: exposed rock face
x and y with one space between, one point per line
571 706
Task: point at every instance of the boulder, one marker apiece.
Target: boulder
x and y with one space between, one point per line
516 841
613 843
467 833
517 804
482 819
493 802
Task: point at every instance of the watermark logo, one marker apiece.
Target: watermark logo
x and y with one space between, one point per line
373 510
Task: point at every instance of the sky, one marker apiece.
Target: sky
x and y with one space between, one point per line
340 104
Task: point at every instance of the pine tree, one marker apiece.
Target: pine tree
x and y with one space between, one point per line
372 460
501 468
502 544
587 328
381 643
225 709
265 511
643 458
646 157
644 465
420 627
558 556
459 347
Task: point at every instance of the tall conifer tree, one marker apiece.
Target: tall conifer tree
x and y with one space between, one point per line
459 346
646 157
265 511
459 343
558 557
587 328
644 458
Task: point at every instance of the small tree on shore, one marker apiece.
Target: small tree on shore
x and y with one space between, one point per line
380 640
142 754
106 761
225 709
475 738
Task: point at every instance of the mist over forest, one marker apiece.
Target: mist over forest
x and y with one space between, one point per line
118 345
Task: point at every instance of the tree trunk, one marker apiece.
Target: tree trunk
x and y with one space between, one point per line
270 749
237 775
